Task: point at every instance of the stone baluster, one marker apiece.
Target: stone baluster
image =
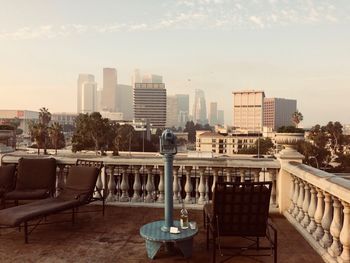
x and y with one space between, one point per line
306 220
291 195
335 249
256 175
111 184
326 240
137 184
272 173
188 185
149 185
228 174
124 186
345 234
161 185
312 209
60 178
300 201
176 187
180 186
296 197
242 174
196 187
99 185
206 197
201 187
215 178
318 234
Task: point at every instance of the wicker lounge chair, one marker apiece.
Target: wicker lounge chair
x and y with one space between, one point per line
77 192
35 179
241 210
7 180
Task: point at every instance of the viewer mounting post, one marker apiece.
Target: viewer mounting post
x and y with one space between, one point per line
168 149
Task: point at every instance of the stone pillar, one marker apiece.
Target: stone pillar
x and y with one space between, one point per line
60 179
215 178
137 184
228 174
242 175
296 197
306 220
326 240
312 209
300 201
256 174
161 185
345 235
201 187
335 249
176 187
99 185
124 186
291 194
318 234
149 185
111 184
188 185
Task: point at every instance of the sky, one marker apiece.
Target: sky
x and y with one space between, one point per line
297 49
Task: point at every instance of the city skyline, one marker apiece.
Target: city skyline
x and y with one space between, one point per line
297 50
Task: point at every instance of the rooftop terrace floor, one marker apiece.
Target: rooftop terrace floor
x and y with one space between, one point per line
115 238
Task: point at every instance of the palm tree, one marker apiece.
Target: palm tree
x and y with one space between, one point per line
37 132
44 119
297 117
55 132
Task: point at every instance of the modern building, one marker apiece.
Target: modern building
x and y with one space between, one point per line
113 116
213 113
64 118
89 97
248 110
125 101
199 108
221 117
150 103
151 78
24 116
109 91
224 143
83 79
183 104
172 112
278 112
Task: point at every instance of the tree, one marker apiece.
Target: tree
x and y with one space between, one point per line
44 120
265 146
37 134
190 128
297 117
335 134
56 136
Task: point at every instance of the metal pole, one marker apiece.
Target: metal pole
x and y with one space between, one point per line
168 189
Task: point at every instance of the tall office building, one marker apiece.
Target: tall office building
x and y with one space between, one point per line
150 103
199 108
89 97
172 112
136 77
151 78
109 91
183 104
248 110
125 101
213 113
82 78
278 112
221 117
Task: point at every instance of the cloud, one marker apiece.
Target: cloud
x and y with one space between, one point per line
203 14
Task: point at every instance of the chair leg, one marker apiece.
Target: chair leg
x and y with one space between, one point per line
214 249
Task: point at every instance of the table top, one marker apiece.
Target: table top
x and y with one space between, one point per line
152 231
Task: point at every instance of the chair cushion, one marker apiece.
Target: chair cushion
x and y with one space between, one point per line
7 178
14 216
27 194
36 174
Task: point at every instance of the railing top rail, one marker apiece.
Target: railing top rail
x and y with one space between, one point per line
240 162
331 183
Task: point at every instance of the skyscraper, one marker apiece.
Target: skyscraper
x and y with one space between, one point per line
183 104
172 112
88 95
82 78
278 112
248 110
213 113
125 101
109 92
199 107
221 117
151 78
150 103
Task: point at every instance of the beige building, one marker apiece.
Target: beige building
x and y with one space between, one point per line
150 103
84 80
172 112
278 112
227 144
213 113
109 91
248 110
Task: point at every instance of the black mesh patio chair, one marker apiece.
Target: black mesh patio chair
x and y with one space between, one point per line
241 210
7 181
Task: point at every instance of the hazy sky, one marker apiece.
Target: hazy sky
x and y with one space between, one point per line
296 49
